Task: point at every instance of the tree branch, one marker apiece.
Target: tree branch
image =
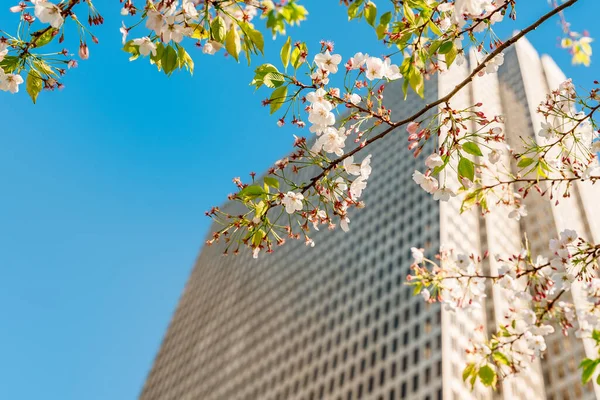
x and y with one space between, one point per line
447 97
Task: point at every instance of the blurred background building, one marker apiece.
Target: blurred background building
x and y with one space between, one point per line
336 321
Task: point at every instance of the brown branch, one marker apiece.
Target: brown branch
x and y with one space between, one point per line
447 97
537 180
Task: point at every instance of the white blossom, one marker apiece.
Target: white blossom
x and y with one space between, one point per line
292 202
443 194
358 60
328 62
357 187
374 68
332 141
211 47
48 13
10 82
518 212
417 255
428 183
434 160
146 46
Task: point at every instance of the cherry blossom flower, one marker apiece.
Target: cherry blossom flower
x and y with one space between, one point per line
318 96
495 63
358 60
320 114
391 71
548 131
355 98
10 82
146 46
494 156
292 202
428 183
328 62
211 47
188 8
332 141
518 212
443 194
154 21
434 160
417 255
172 30
357 187
48 13
124 32
374 68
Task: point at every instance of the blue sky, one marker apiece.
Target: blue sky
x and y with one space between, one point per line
104 188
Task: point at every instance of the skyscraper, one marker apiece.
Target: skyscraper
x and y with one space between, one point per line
336 321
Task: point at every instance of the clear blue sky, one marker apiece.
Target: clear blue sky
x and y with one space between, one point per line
104 188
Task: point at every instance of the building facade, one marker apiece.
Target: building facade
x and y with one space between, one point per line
336 321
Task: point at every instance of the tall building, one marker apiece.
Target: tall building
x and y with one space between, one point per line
336 321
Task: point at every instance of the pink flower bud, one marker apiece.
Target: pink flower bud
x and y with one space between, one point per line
84 52
412 127
17 9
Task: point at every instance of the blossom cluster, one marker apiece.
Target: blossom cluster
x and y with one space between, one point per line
532 292
341 187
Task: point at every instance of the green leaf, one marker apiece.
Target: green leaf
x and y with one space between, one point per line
45 37
353 9
385 18
588 366
446 47
258 237
34 85
468 371
9 64
218 29
257 39
44 68
156 59
487 375
251 192
417 83
500 358
273 79
260 72
405 85
596 335
132 49
371 13
233 44
184 60
472 148
380 31
169 60
525 162
451 56
466 168
439 168
278 98
408 13
286 51
273 182
296 55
